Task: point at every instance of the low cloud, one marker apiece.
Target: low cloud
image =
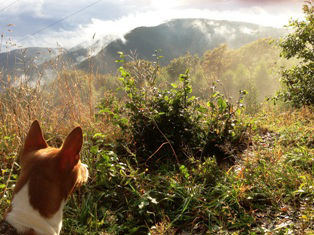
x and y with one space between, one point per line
119 17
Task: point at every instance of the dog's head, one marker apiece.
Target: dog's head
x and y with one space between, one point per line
50 173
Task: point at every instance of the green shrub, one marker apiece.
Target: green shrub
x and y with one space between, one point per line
298 82
165 125
226 132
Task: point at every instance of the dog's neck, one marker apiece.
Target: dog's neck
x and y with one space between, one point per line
23 216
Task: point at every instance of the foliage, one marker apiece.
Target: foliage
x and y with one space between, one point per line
298 81
216 61
262 193
166 124
162 117
251 67
226 132
180 65
146 178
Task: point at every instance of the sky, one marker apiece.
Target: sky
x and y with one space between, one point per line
50 23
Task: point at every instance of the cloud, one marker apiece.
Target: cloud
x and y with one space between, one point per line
115 18
270 1
117 28
24 6
236 2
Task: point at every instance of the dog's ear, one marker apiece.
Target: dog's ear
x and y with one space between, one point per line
34 139
71 148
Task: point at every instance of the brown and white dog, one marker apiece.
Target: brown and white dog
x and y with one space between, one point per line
48 176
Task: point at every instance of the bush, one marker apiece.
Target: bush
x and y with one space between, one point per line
163 123
170 124
298 81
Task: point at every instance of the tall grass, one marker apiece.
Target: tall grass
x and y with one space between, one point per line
268 190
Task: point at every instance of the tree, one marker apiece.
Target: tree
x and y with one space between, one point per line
263 82
179 65
298 82
216 61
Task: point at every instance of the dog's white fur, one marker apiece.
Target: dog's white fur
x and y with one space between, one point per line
23 216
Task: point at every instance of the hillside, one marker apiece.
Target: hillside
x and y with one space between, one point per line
168 150
24 61
177 37
174 38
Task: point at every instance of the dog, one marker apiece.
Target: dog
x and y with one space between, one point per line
48 176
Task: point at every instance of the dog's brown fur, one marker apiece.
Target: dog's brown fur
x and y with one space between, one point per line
51 173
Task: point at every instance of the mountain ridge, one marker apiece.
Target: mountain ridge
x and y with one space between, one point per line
174 38
177 37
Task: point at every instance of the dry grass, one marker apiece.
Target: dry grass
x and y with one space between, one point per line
59 105
70 100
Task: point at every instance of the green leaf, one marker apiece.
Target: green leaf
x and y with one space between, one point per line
222 103
211 104
99 136
94 149
215 94
175 86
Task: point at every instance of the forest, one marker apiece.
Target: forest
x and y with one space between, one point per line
218 143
